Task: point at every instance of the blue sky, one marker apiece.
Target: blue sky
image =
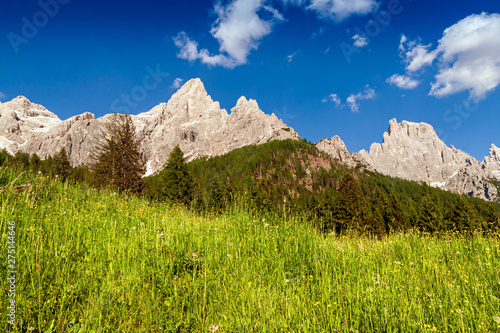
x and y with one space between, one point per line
326 67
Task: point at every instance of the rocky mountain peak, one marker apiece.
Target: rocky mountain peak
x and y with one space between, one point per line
495 153
244 106
192 101
25 109
417 131
192 87
413 151
336 148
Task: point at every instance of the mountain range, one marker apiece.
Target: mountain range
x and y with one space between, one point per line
192 120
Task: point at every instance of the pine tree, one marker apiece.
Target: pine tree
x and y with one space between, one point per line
62 165
117 161
176 179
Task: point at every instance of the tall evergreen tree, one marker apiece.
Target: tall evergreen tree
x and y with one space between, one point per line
430 217
62 164
117 161
464 216
352 210
176 179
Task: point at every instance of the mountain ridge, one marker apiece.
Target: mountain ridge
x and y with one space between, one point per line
192 120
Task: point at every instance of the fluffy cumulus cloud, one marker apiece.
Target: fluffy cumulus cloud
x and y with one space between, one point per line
177 83
359 41
332 98
467 56
339 10
416 55
238 29
241 25
353 99
403 81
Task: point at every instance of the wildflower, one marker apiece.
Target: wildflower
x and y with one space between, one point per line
213 328
158 298
5 290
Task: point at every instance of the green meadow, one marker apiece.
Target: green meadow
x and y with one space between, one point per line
97 261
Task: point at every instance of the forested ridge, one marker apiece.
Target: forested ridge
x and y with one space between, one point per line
293 178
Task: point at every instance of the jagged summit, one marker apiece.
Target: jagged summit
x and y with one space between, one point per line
190 119
24 108
413 151
336 148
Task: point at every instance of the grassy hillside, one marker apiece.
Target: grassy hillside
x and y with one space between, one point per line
95 261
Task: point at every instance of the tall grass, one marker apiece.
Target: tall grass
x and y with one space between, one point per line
92 261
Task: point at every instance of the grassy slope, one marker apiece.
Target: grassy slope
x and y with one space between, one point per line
112 264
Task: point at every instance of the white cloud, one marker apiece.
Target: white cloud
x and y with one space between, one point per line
416 55
403 81
353 99
469 57
238 29
402 42
291 56
339 10
241 24
2 95
276 14
359 41
333 98
177 83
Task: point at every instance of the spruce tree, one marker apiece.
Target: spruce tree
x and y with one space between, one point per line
352 210
430 217
176 179
117 161
62 164
464 215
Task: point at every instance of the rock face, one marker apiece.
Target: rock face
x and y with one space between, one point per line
336 148
413 151
190 119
